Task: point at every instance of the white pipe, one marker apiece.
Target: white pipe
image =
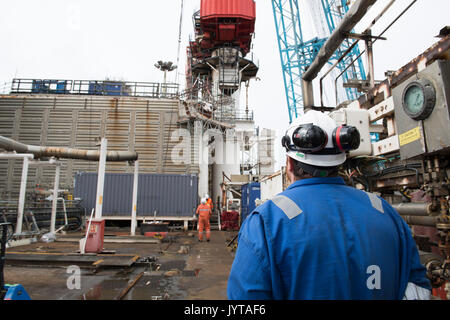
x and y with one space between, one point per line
16 155
23 189
101 179
66 221
55 199
134 205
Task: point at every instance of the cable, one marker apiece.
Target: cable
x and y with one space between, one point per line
179 40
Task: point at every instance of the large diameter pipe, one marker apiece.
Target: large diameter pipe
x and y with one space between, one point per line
351 18
66 153
420 221
414 209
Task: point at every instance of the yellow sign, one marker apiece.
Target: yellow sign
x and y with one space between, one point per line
100 199
409 136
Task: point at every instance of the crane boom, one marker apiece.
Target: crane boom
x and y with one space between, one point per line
297 53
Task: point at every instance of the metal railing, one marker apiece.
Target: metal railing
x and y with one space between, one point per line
230 115
37 214
95 87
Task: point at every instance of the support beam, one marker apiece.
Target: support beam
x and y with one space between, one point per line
55 199
308 94
23 190
135 193
101 179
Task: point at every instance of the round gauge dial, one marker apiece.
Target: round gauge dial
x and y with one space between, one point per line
419 98
414 99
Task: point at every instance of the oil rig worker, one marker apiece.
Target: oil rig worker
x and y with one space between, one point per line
321 239
204 213
209 202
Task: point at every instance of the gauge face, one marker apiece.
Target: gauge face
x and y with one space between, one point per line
414 99
419 98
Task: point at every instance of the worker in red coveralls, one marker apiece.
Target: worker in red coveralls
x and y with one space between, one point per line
204 213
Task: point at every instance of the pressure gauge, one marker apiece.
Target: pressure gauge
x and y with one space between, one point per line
419 98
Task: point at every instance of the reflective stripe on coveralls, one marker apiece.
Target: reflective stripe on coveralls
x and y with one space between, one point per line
375 201
288 206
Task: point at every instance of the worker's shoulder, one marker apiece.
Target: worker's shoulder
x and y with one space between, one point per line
283 204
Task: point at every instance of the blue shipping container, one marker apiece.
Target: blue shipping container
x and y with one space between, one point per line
250 192
167 195
107 88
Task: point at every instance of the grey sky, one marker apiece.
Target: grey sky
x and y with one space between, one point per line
95 39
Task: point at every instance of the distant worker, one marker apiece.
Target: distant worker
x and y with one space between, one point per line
321 239
204 213
209 202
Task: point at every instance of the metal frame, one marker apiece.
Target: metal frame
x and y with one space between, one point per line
95 87
27 161
297 54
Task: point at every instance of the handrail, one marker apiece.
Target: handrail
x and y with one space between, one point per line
95 87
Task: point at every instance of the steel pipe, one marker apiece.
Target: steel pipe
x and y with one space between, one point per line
420 221
63 152
352 17
414 209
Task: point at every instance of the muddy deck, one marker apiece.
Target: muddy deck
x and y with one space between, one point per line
179 268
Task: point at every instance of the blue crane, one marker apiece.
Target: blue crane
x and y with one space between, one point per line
297 53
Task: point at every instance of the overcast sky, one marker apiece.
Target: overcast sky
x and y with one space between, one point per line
95 39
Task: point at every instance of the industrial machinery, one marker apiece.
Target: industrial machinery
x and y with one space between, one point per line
219 60
408 162
409 166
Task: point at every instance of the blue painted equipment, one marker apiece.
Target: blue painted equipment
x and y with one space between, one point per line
9 291
16 292
250 192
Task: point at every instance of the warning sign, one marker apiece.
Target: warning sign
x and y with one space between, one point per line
409 136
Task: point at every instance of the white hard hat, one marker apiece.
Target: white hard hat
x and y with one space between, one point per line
206 196
315 139
203 201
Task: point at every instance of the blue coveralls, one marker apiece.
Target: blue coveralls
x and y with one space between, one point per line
321 239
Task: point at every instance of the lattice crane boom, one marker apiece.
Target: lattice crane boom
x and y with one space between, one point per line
297 53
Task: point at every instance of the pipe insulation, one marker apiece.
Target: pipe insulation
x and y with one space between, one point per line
65 153
414 209
420 221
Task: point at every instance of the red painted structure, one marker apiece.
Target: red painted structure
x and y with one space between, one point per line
227 23
96 235
229 220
